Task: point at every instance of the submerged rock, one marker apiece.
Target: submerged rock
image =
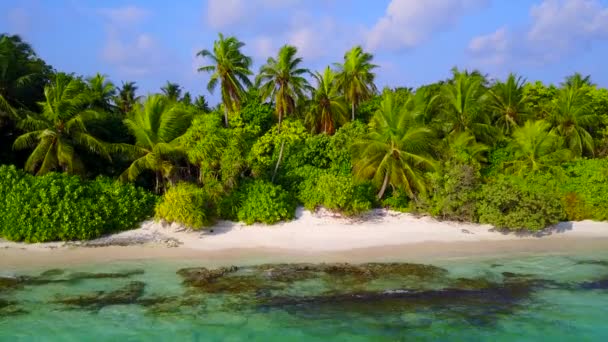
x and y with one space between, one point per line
262 279
11 283
128 294
10 308
51 276
115 275
481 306
52 272
593 262
201 276
600 284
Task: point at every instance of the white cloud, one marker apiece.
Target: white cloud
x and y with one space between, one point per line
557 29
561 24
222 13
134 56
130 50
264 46
126 15
266 25
314 41
408 23
494 46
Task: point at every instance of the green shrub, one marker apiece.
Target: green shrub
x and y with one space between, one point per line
334 192
517 204
576 208
588 179
61 207
398 201
186 204
453 193
261 201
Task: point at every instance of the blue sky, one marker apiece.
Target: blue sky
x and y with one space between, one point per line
414 41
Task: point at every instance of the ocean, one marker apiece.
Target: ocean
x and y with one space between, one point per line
525 298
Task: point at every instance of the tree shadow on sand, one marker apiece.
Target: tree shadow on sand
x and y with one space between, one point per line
558 228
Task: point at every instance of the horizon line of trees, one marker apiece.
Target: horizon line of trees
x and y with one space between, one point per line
271 124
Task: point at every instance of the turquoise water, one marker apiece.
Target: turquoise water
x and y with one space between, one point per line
544 297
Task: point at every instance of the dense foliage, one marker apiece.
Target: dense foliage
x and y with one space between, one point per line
186 204
584 188
261 201
511 202
512 153
61 207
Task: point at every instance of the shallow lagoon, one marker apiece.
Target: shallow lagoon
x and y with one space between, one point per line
548 297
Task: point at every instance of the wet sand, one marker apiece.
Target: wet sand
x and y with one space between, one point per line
16 259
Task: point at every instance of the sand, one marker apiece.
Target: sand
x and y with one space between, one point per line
378 236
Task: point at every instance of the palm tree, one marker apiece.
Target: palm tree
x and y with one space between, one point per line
464 148
426 103
356 77
327 108
187 98
396 151
126 99
508 102
156 125
536 148
282 80
463 97
22 76
230 68
577 80
101 92
201 103
172 91
60 128
571 118
5 61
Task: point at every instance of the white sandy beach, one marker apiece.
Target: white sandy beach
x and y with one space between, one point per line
382 233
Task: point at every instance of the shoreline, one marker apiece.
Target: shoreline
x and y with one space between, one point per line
380 235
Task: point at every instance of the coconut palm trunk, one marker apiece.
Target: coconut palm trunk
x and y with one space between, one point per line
383 188
276 168
352 108
226 116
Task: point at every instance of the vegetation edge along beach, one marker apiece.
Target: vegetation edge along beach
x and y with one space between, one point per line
82 158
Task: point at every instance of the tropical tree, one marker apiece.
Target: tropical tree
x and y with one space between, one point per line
230 68
355 77
187 98
508 103
282 80
577 80
60 128
463 148
539 99
396 151
536 148
156 125
22 75
172 91
327 108
462 109
572 119
126 98
427 103
201 103
101 92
